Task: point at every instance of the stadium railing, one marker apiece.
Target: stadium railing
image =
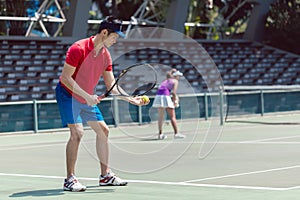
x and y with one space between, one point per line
43 115
238 101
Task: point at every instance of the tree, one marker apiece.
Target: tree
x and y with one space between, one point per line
283 25
227 17
16 8
124 9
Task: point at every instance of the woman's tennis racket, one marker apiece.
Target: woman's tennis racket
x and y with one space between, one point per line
136 80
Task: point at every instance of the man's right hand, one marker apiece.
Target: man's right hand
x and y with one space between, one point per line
92 100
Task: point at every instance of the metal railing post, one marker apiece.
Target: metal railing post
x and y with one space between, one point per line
221 107
35 116
116 111
262 103
140 115
206 106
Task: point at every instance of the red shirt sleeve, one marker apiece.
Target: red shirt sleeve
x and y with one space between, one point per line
74 55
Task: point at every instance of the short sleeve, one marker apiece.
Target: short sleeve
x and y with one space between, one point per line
74 55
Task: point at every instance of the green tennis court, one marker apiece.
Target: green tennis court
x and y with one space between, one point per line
251 160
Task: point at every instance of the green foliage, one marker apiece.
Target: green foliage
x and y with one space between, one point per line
16 8
283 25
124 9
234 10
227 17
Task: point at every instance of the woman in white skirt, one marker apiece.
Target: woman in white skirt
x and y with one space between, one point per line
163 101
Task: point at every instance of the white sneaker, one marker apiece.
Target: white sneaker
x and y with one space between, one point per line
112 180
72 184
179 136
162 136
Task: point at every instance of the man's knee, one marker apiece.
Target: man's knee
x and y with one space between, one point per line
76 132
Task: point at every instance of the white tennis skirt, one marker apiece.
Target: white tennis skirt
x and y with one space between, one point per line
163 101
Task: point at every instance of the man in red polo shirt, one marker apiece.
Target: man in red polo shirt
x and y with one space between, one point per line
86 61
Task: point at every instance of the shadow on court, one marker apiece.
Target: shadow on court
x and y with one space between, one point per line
58 192
38 193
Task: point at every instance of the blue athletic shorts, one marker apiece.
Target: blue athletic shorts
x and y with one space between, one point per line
74 112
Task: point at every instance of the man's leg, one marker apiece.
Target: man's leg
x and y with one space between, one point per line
71 183
76 133
102 148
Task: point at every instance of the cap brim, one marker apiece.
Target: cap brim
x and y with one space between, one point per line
121 34
177 74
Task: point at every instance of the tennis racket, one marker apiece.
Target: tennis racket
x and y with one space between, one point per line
136 80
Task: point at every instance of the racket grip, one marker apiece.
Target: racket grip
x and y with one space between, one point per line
101 97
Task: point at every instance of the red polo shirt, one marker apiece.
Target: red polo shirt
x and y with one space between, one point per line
89 66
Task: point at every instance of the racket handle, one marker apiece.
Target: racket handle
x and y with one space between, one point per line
101 97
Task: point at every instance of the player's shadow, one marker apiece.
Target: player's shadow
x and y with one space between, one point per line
38 193
58 192
148 139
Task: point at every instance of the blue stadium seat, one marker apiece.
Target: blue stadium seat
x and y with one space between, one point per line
30 68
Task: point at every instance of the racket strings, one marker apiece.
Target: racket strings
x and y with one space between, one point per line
137 81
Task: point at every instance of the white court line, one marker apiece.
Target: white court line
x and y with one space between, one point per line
201 142
58 143
29 146
162 183
243 174
270 139
210 185
260 142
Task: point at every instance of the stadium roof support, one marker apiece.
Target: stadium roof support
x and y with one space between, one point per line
77 17
177 15
41 14
152 12
256 24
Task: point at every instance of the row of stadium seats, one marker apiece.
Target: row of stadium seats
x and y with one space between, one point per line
238 62
29 69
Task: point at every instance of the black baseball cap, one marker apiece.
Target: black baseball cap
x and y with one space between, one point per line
112 23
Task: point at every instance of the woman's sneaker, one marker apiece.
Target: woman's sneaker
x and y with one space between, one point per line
179 136
72 184
162 136
111 179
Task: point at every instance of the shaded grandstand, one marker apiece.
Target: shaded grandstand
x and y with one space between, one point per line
30 68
